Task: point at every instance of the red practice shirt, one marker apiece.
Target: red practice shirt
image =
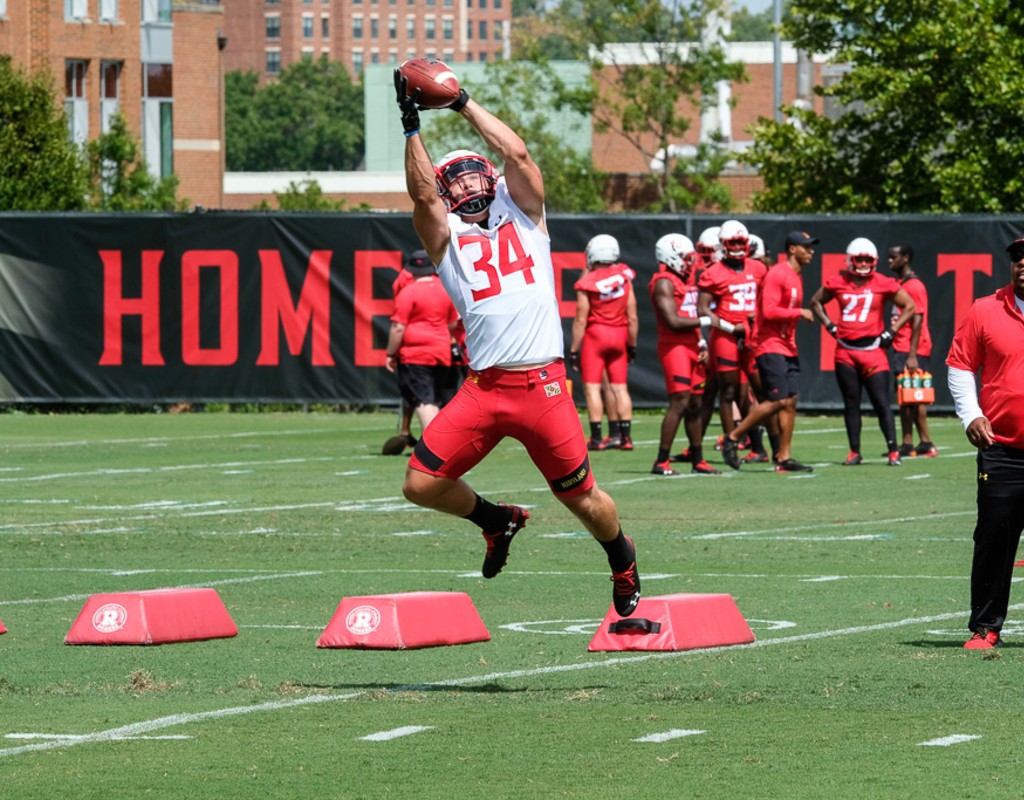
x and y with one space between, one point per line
778 311
685 295
734 290
608 291
915 288
861 308
426 311
989 341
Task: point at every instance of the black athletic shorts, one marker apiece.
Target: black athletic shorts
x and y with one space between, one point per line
422 385
780 375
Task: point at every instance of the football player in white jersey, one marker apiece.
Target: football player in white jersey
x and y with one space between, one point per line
486 231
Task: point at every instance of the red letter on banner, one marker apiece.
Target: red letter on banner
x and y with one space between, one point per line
567 262
963 266
116 307
314 305
225 262
367 307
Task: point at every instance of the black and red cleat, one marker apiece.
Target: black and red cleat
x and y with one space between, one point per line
499 542
626 588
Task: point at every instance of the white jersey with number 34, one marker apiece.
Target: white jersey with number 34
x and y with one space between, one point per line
502 283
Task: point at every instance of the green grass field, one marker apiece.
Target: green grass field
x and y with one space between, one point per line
854 581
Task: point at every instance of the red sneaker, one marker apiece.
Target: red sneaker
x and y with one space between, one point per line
984 639
853 459
704 468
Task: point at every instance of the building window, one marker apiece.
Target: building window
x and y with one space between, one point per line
374 27
108 10
75 105
497 4
155 10
483 57
448 56
483 3
374 57
110 92
430 28
307 26
325 27
158 118
392 56
497 30
272 62
357 30
272 24
357 61
447 3
392 27
469 29
75 10
273 2
447 29
483 29
410 28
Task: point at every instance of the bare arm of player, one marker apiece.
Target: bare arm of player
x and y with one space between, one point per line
821 297
632 319
665 306
522 176
579 323
908 308
915 340
429 215
394 342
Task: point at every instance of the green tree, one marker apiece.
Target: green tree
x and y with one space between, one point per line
311 118
42 168
751 27
119 179
648 102
930 111
520 93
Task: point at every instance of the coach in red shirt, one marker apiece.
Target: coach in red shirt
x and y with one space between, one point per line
990 340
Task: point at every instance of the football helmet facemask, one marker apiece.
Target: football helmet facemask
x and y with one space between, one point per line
460 162
734 239
861 256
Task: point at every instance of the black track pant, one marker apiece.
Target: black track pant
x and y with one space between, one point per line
1000 522
877 386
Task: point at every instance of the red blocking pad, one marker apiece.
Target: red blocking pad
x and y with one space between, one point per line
2 628
404 621
674 622
155 616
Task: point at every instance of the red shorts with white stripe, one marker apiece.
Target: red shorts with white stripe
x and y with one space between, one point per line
532 406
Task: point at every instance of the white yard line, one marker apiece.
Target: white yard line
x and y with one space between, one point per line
387 736
667 736
946 741
161 723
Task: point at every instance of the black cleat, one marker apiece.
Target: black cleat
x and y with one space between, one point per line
626 590
498 543
729 452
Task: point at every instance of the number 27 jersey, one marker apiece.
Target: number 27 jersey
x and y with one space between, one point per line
502 283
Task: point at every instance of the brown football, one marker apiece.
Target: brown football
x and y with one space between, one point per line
438 86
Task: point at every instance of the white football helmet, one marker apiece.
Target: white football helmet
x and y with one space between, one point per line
861 256
734 239
676 252
708 247
602 249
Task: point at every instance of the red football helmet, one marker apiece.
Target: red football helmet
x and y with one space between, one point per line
461 162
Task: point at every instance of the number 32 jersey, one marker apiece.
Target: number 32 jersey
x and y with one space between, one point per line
502 283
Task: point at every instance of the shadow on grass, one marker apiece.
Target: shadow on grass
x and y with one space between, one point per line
937 644
483 688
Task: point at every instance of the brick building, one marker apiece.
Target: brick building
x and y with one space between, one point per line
142 58
264 36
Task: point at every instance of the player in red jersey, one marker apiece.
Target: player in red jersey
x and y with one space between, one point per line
420 340
779 310
730 287
682 349
911 349
988 343
604 335
861 338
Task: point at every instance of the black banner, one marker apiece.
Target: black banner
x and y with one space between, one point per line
294 307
